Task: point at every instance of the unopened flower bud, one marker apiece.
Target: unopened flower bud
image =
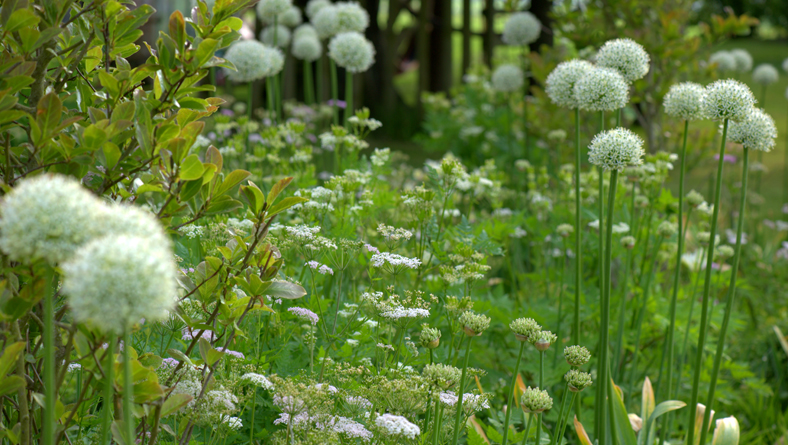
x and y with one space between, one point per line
628 242
525 328
474 324
535 400
576 356
543 340
577 380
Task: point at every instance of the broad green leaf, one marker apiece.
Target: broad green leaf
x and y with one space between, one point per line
646 408
180 356
205 51
147 391
11 384
254 196
11 115
283 289
10 356
621 428
93 138
174 403
111 154
21 18
285 204
191 168
662 408
223 204
234 178
190 190
277 189
213 156
48 113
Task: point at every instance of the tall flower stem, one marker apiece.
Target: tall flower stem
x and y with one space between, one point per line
706 290
461 393
566 419
618 354
785 173
250 101
642 311
526 141
578 235
309 84
348 96
436 430
269 96
320 68
715 370
560 303
561 417
510 398
251 426
334 91
541 385
128 388
50 395
109 390
599 401
685 343
527 427
277 88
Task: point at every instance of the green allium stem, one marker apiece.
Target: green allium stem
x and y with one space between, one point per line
578 235
348 96
642 312
250 102
729 300
461 393
49 358
334 90
309 84
128 388
785 173
599 402
560 303
561 417
526 141
109 390
320 68
623 299
510 397
269 93
541 386
685 343
436 429
251 425
706 289
527 427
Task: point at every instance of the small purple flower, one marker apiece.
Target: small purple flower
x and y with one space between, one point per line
168 362
227 133
313 139
228 112
212 135
340 103
730 159
235 354
305 314
371 249
255 137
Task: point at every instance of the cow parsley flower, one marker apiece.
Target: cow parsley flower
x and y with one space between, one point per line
757 131
253 61
560 84
234 423
724 60
314 6
728 99
685 101
522 28
743 60
508 78
393 425
615 149
602 89
258 380
400 312
351 429
305 314
394 260
47 217
625 56
282 36
765 74
307 47
114 281
268 9
352 51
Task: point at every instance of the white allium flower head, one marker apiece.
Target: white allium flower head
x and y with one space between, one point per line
313 6
282 36
352 51
757 131
123 219
602 89
307 48
253 61
268 9
765 74
522 28
728 99
724 60
290 18
47 217
785 65
116 280
397 426
615 149
508 78
625 56
304 30
685 101
560 85
351 17
325 22
743 60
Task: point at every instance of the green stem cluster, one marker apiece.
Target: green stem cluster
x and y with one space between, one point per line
510 396
461 393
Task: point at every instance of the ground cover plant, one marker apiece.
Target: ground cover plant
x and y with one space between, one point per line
183 266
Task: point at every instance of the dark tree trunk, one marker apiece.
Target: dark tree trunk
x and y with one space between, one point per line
441 47
541 9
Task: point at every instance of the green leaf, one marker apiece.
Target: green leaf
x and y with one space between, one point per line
11 384
277 189
93 138
111 154
213 156
190 190
110 83
662 408
191 168
283 289
254 196
285 204
174 403
234 178
621 428
124 111
48 113
180 356
10 356
11 115
205 51
177 28
223 204
21 18
646 407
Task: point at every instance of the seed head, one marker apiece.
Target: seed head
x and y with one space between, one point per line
728 99
615 149
577 380
625 56
429 337
757 131
522 28
743 60
667 229
253 61
685 101
525 328
560 84
508 78
694 198
268 9
576 356
474 324
352 51
602 89
282 36
534 400
724 60
628 242
765 74
307 47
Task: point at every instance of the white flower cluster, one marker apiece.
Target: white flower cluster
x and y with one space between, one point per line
508 78
302 232
370 123
290 18
282 36
470 402
325 21
304 314
192 231
602 89
268 9
728 99
560 84
306 47
625 56
380 156
685 101
743 60
397 426
522 28
258 380
352 51
394 260
724 60
313 6
615 149
253 61
400 312
234 423
321 268
351 17
394 234
765 74
757 131
351 429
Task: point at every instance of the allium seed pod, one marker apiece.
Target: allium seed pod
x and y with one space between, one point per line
543 340
268 9
615 149
253 61
577 356
305 30
628 242
757 131
508 78
430 337
282 36
474 324
602 89
728 99
313 6
667 229
577 380
351 17
522 28
685 101
307 48
694 198
534 400
724 60
560 84
565 230
743 60
352 51
765 74
625 56
525 328
325 22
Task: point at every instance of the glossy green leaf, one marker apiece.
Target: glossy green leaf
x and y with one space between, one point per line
283 289
621 428
662 408
285 204
174 403
277 189
191 168
231 180
21 18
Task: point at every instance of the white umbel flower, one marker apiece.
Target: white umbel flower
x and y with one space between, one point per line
258 380
47 217
305 30
268 9
307 48
724 60
253 61
508 78
602 89
352 51
765 74
615 149
560 85
685 101
757 131
728 99
351 17
522 28
115 281
743 60
325 22
626 56
282 36
397 426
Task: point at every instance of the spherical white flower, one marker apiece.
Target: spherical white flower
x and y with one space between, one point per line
313 6
282 36
305 30
724 60
307 48
268 9
785 65
765 74
522 28
352 51
253 61
685 101
393 425
116 280
728 99
757 131
47 217
325 22
508 78
291 18
602 89
743 59
351 17
560 85
615 149
625 56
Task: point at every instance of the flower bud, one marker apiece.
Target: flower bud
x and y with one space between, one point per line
430 337
628 242
577 380
576 356
667 229
543 340
534 400
525 328
726 432
474 324
565 230
694 198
